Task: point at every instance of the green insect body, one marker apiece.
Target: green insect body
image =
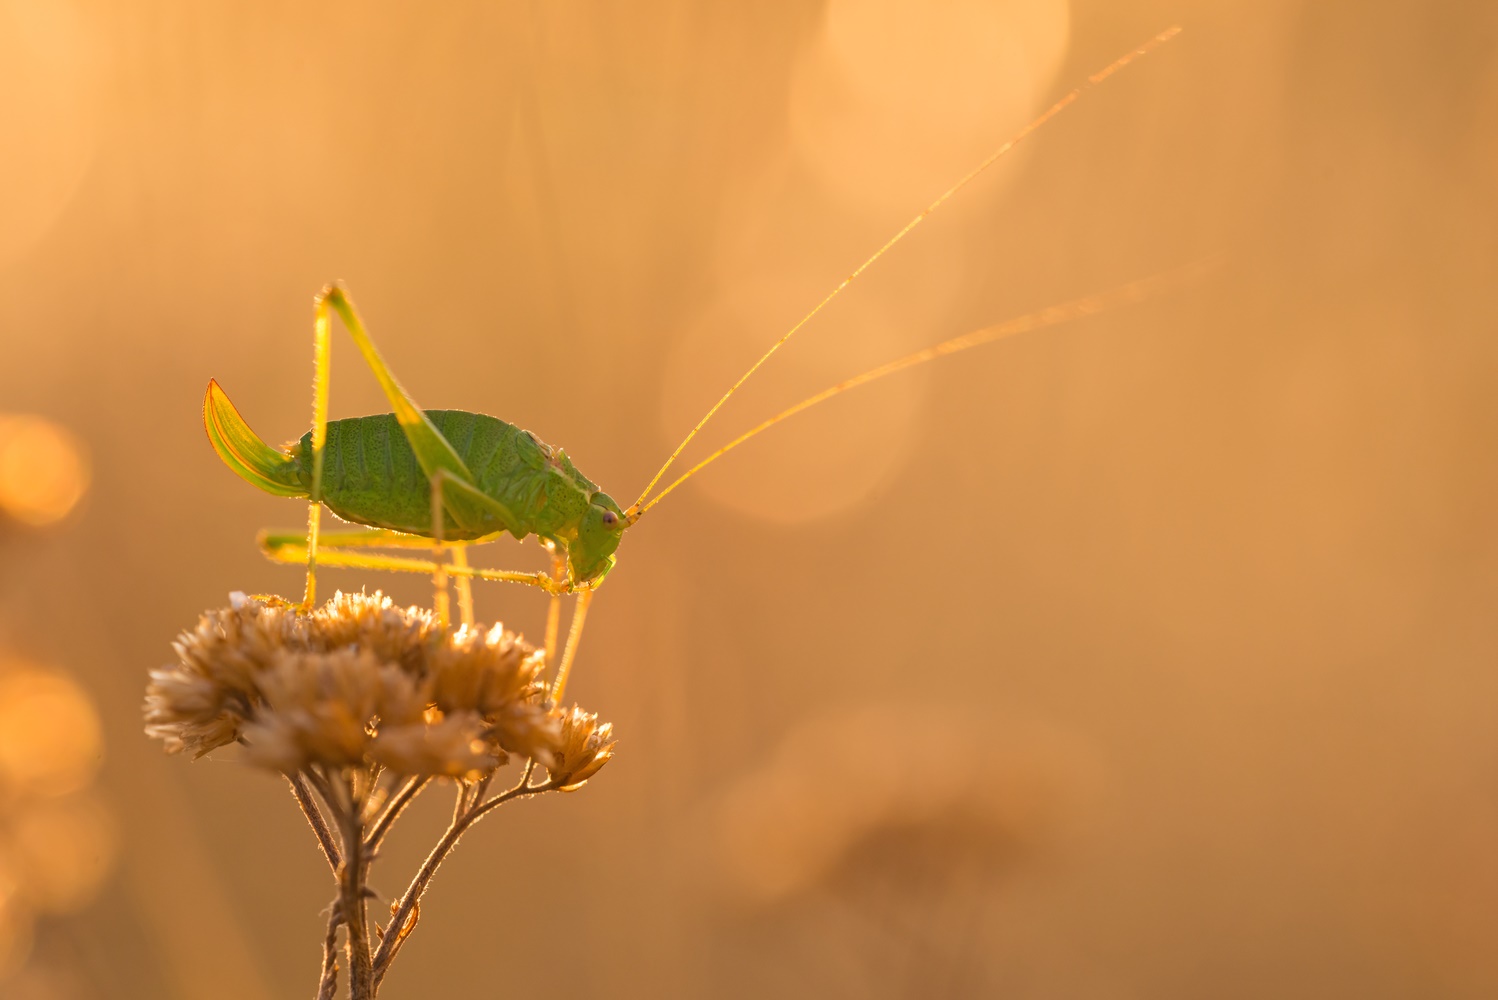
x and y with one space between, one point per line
371 475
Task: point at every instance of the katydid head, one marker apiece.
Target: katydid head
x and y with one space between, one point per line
591 555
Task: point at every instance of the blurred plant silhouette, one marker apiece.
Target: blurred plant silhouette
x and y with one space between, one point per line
898 820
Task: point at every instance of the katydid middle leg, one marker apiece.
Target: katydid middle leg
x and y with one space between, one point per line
459 554
463 584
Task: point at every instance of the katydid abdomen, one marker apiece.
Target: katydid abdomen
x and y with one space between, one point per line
371 476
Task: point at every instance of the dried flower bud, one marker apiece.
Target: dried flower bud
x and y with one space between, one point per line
373 622
323 706
586 747
497 675
484 672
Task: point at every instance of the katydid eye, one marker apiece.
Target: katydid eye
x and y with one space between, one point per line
610 518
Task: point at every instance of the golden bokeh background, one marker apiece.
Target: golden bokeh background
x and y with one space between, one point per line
1152 656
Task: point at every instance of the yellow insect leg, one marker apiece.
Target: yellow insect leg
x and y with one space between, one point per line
554 609
463 584
574 638
296 553
362 538
439 573
320 375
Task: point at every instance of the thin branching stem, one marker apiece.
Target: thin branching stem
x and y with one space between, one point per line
315 817
403 922
523 788
324 788
460 802
396 806
351 879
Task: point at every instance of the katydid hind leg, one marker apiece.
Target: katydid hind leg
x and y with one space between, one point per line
434 454
433 451
321 358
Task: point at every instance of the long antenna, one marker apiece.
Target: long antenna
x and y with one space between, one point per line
636 509
1134 291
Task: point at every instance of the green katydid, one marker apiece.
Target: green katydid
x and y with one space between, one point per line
451 478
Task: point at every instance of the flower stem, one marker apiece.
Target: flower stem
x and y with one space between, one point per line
315 817
351 875
327 986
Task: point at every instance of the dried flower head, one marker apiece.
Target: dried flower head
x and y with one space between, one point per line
360 703
358 681
586 747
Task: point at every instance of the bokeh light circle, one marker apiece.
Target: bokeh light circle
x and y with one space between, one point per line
51 741
43 471
900 98
66 847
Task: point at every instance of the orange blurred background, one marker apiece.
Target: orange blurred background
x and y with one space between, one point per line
1151 656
